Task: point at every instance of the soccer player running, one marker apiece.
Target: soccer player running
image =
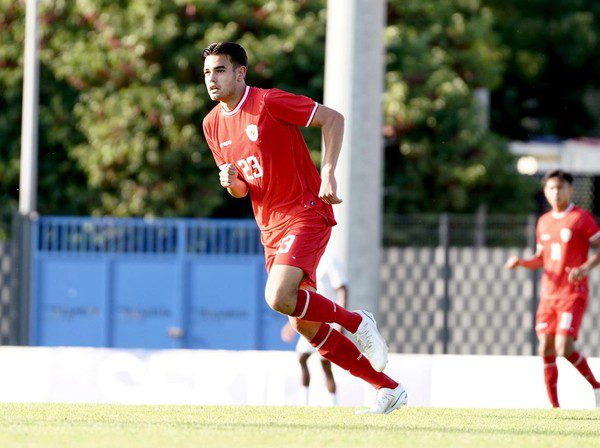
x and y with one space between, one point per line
256 142
332 282
563 237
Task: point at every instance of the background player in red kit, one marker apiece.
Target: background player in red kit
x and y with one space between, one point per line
563 236
257 145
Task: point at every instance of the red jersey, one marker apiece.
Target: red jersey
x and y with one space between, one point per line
261 138
565 241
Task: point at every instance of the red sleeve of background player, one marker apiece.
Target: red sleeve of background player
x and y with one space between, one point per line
589 227
288 108
214 148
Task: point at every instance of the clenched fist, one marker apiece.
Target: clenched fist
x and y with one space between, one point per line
227 175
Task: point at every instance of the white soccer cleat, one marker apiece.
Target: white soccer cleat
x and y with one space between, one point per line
597 394
387 401
371 342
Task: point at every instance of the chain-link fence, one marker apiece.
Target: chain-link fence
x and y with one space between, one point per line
445 289
14 281
8 304
5 293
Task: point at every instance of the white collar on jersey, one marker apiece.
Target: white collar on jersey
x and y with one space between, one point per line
231 112
558 215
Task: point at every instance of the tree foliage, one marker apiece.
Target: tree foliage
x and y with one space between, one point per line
553 65
122 96
439 156
122 99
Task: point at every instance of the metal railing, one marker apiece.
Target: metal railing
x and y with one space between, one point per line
148 236
475 230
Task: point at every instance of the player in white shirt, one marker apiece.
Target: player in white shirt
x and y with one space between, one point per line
331 282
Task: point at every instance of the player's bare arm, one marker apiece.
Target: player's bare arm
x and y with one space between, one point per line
332 124
228 177
579 273
535 262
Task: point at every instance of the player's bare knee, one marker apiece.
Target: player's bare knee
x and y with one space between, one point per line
563 348
281 300
546 349
540 350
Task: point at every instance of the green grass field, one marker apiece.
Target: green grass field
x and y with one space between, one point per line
85 426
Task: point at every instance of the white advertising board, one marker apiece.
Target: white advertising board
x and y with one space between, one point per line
207 377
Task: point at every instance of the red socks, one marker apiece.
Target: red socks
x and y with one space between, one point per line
338 349
580 363
316 308
551 378
551 374
332 344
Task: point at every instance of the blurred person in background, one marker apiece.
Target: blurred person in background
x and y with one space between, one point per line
563 238
331 282
256 142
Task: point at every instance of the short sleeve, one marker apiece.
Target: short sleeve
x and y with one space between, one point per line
589 227
214 148
288 108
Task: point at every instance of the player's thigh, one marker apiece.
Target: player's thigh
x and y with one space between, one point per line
282 285
545 328
545 319
284 277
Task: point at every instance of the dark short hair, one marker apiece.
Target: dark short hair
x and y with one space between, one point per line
237 54
559 174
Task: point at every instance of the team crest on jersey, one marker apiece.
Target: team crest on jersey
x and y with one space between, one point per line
565 235
252 132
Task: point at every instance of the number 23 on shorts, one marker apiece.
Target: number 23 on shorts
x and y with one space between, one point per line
286 244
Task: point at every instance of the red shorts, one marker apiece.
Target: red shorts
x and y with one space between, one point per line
560 316
301 243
